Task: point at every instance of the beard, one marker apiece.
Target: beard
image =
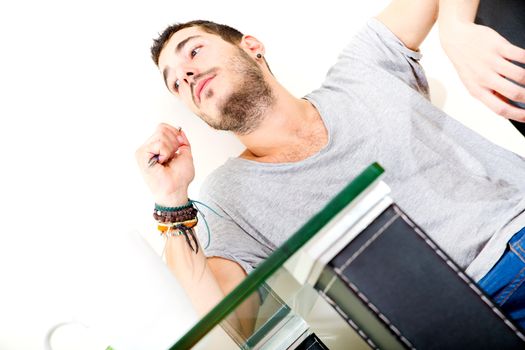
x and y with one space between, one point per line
244 109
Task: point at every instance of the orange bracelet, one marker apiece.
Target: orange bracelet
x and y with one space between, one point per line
163 228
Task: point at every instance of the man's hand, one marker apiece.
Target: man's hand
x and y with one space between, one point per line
170 177
205 281
482 59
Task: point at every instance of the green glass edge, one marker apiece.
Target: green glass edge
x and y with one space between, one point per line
263 331
279 257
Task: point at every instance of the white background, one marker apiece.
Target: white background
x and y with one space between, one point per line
79 93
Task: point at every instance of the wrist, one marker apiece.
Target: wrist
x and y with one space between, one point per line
453 35
458 10
454 15
176 199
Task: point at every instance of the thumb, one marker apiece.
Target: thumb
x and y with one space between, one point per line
185 147
181 137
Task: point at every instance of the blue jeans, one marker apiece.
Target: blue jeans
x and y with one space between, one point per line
505 282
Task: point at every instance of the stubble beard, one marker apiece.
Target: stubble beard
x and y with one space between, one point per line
244 109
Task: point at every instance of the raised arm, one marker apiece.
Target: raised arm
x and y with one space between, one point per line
205 280
410 20
168 180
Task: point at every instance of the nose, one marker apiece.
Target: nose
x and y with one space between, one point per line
185 73
188 75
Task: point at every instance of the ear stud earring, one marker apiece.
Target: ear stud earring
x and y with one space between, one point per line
259 55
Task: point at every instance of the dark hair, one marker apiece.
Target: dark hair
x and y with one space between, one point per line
227 33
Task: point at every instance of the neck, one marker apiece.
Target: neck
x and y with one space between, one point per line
289 123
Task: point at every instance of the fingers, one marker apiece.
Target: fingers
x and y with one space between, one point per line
499 105
513 53
164 143
162 146
167 127
507 88
183 139
511 71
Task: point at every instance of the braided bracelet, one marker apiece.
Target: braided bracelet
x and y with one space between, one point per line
176 221
162 208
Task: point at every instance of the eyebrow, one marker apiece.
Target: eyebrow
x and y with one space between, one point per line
180 46
183 43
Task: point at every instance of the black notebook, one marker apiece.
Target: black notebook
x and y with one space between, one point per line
398 290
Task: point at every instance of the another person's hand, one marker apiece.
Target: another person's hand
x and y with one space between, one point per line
482 59
168 178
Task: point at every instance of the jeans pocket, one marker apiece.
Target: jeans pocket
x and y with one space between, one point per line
506 293
517 244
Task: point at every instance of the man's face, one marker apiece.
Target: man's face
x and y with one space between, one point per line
217 80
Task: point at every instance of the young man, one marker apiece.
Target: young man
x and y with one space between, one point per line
467 193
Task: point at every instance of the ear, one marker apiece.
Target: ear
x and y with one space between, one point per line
252 46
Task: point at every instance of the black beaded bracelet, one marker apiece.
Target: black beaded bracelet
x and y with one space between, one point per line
174 221
184 212
175 216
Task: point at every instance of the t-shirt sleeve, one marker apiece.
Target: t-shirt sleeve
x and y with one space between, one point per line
376 47
220 236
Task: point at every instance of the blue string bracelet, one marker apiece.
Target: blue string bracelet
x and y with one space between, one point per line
190 204
204 218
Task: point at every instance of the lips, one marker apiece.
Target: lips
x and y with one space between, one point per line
200 86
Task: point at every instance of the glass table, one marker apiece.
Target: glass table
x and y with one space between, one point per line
288 311
360 274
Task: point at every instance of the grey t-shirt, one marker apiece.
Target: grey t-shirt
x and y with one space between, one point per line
465 192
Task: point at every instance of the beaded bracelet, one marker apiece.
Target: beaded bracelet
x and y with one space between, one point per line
167 222
176 221
174 216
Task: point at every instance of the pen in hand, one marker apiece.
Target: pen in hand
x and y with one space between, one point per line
155 158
